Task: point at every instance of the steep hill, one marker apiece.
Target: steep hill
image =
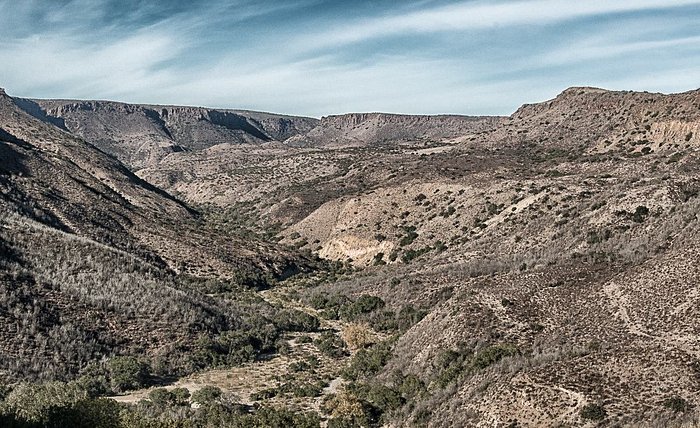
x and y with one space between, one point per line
95 262
141 135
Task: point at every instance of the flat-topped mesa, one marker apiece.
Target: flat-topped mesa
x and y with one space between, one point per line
359 129
574 97
399 122
581 90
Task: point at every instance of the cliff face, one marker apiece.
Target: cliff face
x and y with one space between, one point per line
360 129
51 176
596 121
142 135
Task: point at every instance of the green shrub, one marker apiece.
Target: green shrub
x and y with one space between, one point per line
367 362
325 301
330 344
264 394
411 254
676 404
408 238
400 321
88 413
440 246
181 395
206 395
161 397
380 396
303 389
594 412
34 402
365 304
411 386
304 339
127 373
491 355
295 320
378 259
640 214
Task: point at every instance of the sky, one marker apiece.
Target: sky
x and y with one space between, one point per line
321 57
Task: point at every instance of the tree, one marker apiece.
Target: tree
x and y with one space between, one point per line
128 373
206 395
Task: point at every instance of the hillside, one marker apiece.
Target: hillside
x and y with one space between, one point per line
363 129
141 135
97 262
532 270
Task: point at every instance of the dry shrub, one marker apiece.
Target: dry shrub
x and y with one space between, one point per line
358 336
344 405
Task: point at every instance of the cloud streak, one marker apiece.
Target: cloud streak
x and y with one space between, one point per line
318 57
465 16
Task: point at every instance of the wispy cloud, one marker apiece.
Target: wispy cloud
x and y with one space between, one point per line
597 49
318 57
472 15
108 69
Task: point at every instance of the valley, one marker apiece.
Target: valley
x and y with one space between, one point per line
192 267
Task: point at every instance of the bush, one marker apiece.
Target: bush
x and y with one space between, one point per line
491 355
206 395
676 404
357 336
378 259
181 395
264 394
593 412
411 386
348 411
324 301
235 347
452 364
411 254
89 413
303 389
396 321
380 396
294 320
408 239
330 344
39 403
127 373
161 397
365 304
640 214
94 380
368 362
409 316
304 339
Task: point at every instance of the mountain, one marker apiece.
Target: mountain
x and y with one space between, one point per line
97 262
361 129
531 270
140 135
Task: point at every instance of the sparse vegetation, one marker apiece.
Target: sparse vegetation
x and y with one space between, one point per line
448 277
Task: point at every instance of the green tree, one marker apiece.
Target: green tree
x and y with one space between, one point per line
206 395
128 373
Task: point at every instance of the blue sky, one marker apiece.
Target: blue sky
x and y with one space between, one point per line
316 57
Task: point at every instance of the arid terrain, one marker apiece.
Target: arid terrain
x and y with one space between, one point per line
191 267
